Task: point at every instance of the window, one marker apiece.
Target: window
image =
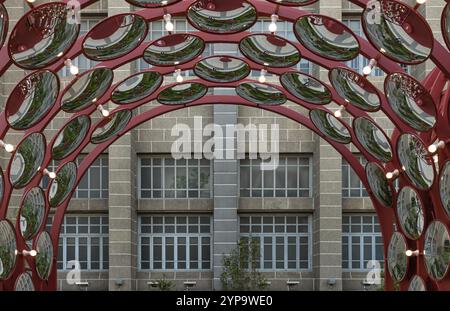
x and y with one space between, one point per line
284 241
82 62
175 242
359 62
84 238
292 178
94 184
164 177
361 241
352 186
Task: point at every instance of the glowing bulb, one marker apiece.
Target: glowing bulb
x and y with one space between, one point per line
435 147
179 77
395 173
8 147
72 68
169 25
368 69
273 23
338 113
421 1
436 158
262 76
31 1
32 253
410 253
51 175
103 111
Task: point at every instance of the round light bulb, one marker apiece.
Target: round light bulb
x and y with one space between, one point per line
409 253
367 70
180 78
9 148
338 113
31 1
52 175
169 26
33 253
421 1
432 148
262 79
74 70
273 27
105 113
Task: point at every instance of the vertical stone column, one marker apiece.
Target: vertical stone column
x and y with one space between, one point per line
122 195
225 181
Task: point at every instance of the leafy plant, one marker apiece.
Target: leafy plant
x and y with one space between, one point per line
165 284
240 267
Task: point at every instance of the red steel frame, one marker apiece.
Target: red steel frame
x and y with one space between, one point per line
435 81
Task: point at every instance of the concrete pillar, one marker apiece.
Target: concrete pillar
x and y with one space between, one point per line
225 180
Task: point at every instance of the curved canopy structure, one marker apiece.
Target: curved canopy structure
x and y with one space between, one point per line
416 152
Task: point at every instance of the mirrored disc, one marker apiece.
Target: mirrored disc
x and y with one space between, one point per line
269 50
32 213
42 36
410 101
397 259
326 37
223 17
372 138
415 161
398 31
410 212
31 99
261 94
8 248
27 160
136 87
417 284
446 25
151 3
44 257
114 37
111 126
437 250
24 283
4 21
63 184
222 69
293 2
174 49
70 137
379 185
330 126
444 186
182 94
355 89
86 89
2 186
306 88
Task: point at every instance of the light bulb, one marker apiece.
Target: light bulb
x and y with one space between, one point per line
338 113
33 253
103 111
262 76
8 147
395 173
435 147
72 68
51 175
169 24
31 1
179 77
368 69
421 1
273 23
410 253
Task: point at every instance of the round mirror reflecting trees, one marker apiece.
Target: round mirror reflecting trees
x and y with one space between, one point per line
44 257
111 126
306 88
4 20
182 94
379 185
42 36
269 50
136 87
417 284
86 89
223 17
174 50
415 161
410 101
261 94
27 160
444 187
398 31
8 249
326 37
223 69
373 139
355 89
32 213
115 37
61 187
70 137
410 213
396 257
330 126
32 99
24 283
437 250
